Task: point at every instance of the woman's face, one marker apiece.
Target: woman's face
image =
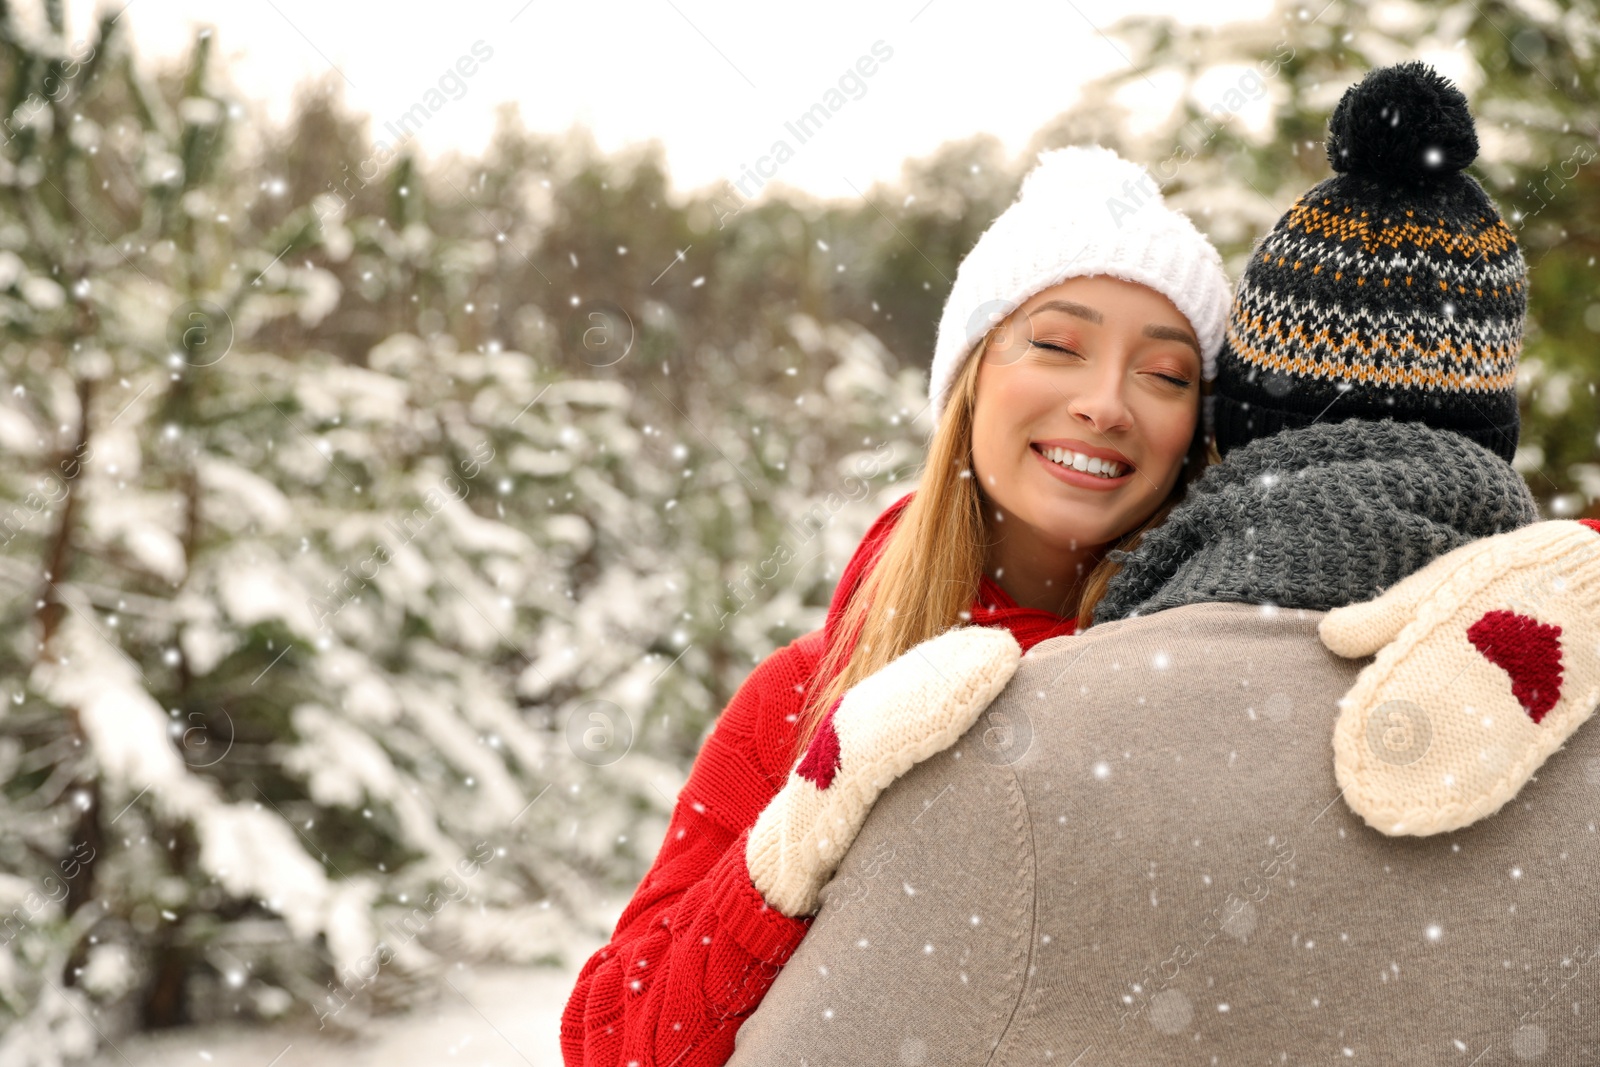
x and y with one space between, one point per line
1104 374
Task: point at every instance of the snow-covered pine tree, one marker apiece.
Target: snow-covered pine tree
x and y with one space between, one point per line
265 613
306 642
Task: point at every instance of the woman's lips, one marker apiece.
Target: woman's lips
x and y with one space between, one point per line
1082 479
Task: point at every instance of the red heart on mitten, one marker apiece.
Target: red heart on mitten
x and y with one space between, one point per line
1526 649
822 755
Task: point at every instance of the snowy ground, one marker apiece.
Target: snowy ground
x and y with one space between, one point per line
494 1017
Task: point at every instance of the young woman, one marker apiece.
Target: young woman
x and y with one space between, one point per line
1065 388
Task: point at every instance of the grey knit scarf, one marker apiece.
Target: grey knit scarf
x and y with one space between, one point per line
1318 518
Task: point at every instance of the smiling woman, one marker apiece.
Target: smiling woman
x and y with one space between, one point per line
1087 403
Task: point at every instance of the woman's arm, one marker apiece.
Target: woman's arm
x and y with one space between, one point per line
697 947
682 972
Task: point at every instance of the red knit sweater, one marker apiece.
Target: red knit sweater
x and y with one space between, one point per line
697 947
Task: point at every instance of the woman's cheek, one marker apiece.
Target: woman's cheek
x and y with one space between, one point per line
1183 431
1170 422
1171 434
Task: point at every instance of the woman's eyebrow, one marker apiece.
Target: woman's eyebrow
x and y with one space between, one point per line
1080 310
1172 333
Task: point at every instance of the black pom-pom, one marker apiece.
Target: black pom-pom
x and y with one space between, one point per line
1403 122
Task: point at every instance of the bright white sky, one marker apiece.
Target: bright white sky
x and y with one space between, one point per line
714 80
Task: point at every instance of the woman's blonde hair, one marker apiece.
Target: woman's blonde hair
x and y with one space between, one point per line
931 565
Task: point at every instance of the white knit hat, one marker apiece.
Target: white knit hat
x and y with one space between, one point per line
1081 211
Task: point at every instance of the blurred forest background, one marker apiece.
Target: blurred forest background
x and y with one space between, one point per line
381 540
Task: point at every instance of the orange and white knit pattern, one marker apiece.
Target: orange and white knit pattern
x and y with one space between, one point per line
1487 660
916 706
1325 328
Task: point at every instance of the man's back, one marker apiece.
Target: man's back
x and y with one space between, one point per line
1139 855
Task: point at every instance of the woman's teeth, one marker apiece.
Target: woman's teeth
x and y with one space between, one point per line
1105 468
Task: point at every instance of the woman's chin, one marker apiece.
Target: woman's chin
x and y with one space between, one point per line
1075 526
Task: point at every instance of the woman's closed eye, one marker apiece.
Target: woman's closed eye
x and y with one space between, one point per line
1179 373
1177 379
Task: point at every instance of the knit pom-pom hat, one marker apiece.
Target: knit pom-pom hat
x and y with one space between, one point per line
1081 211
1391 290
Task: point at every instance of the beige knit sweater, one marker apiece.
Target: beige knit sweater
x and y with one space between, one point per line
1139 855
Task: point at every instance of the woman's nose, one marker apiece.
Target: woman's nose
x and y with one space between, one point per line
1100 403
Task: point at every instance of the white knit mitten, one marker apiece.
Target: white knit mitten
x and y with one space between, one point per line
1487 660
914 707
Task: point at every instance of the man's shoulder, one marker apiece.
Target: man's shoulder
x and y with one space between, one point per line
1207 624
1227 616
1171 678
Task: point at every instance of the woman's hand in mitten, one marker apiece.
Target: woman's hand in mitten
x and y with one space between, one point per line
914 707
1487 660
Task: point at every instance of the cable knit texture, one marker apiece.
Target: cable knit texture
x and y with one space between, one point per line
915 706
697 946
1487 661
1320 517
1081 211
